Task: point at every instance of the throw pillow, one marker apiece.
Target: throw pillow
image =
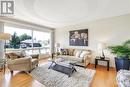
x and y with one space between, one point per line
78 54
23 53
64 52
75 51
18 54
13 56
70 52
84 53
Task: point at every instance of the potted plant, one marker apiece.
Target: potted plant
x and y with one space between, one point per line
122 52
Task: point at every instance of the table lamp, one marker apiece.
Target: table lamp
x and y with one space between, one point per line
57 45
102 46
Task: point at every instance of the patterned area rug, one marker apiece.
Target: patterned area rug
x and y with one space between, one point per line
50 78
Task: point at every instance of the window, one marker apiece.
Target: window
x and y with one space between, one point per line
43 39
33 42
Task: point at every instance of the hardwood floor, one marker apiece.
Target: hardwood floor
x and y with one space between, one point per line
102 78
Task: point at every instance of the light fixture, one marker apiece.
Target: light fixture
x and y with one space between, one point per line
102 46
57 45
5 36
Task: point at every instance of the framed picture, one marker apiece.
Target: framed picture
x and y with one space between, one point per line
78 37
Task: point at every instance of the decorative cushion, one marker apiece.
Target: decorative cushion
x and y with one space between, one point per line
77 55
84 53
23 53
75 51
64 51
13 56
71 52
18 54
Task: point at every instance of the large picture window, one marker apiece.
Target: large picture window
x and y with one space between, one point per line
32 41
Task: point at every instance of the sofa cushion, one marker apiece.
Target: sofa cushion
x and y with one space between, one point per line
84 53
71 52
71 58
20 54
75 51
64 51
13 56
23 53
65 56
77 55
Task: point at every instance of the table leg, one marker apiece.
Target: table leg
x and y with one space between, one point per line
75 70
51 65
108 65
96 62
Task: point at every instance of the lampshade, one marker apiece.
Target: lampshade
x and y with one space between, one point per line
5 36
57 44
101 45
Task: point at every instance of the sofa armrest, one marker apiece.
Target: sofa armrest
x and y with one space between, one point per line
35 56
87 60
19 61
87 57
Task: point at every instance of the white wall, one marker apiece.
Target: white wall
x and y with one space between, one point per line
112 31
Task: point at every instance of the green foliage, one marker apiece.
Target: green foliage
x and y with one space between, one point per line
15 42
24 37
121 50
127 43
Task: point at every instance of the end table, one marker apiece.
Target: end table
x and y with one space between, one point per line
105 59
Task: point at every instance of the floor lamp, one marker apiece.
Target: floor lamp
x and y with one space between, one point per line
5 37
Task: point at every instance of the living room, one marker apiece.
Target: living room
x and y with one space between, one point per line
65 44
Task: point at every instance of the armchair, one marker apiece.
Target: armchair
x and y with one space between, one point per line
26 64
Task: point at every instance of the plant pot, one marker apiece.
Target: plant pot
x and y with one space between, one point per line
122 63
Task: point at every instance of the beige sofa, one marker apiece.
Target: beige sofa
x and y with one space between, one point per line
17 62
70 54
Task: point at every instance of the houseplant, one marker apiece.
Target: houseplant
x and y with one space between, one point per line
122 52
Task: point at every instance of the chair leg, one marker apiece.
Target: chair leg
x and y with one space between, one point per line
11 72
29 71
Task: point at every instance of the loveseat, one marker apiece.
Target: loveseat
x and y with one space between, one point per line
82 56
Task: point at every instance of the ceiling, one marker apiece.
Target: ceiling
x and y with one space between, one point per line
60 13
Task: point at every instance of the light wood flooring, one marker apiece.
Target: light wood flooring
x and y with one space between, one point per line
102 78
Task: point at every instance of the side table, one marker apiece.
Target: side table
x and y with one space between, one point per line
105 59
